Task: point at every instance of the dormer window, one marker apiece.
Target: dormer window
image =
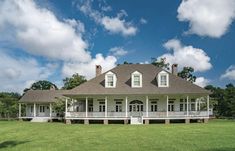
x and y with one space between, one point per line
110 80
163 79
136 79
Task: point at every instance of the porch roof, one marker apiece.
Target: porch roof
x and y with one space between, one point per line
43 96
96 86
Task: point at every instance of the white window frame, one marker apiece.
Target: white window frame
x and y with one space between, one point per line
163 73
114 79
136 73
42 109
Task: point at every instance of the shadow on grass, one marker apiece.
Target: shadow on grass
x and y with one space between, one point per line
6 144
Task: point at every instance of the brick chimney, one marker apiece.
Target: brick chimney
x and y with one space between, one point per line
98 70
174 69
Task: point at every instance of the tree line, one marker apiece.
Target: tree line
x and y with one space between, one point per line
222 99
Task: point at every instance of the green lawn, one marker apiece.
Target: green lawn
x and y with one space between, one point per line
217 135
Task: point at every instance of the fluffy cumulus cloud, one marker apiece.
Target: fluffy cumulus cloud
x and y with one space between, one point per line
116 25
186 56
202 82
19 73
88 68
207 17
118 51
38 32
229 73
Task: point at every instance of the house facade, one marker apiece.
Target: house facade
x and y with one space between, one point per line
132 93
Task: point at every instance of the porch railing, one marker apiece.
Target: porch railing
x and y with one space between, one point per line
129 114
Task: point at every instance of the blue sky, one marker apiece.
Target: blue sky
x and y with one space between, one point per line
50 40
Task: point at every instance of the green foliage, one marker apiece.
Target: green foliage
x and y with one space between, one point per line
59 107
8 104
224 100
42 85
72 82
161 63
186 74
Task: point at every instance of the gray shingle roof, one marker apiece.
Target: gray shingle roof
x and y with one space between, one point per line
177 85
42 96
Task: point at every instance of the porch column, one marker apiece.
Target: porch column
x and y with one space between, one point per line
66 107
187 106
126 105
208 105
106 107
50 110
196 103
19 110
147 106
199 105
86 106
167 99
34 110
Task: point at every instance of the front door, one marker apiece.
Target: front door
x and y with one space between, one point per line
136 107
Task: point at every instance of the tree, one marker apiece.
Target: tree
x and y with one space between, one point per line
9 104
59 107
42 85
161 63
74 81
186 74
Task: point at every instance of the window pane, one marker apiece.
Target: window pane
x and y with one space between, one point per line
163 80
136 80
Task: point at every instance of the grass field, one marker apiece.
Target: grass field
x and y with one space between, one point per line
217 135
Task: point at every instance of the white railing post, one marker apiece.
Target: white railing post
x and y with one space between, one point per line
19 110
147 106
126 105
167 99
187 106
50 110
208 105
66 107
34 110
106 107
86 106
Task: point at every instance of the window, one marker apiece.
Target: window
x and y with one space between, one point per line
118 106
183 105
90 105
193 108
101 106
41 109
110 80
136 79
153 105
163 79
171 106
31 108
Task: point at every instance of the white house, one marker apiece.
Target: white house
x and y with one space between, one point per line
130 93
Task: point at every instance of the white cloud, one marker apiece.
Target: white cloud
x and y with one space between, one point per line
19 73
118 51
116 25
186 56
88 68
39 32
229 73
207 17
143 21
202 82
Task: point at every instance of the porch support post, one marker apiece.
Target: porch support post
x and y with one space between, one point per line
126 105
187 106
167 99
147 106
208 105
196 102
86 106
19 110
66 107
50 110
106 107
34 110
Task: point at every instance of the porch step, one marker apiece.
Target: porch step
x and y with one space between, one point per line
40 119
136 120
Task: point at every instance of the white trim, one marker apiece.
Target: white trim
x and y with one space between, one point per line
66 106
126 106
114 79
50 110
167 99
86 106
106 106
163 73
147 106
187 106
136 73
34 110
